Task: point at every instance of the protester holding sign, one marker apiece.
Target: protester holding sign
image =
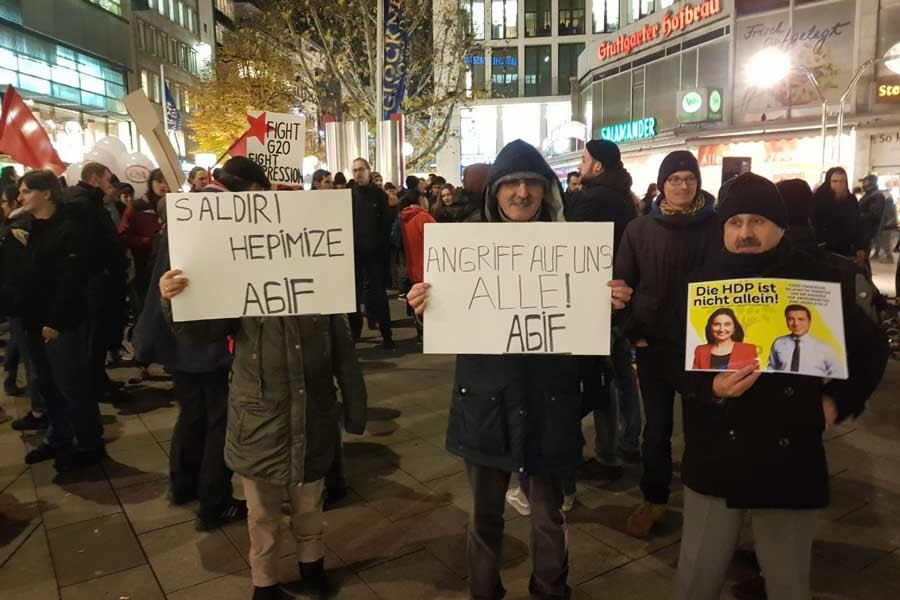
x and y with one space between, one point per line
753 440
283 414
517 413
657 252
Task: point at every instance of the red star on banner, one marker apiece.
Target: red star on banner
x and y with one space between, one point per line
258 128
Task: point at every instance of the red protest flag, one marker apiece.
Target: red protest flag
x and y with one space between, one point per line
23 137
239 147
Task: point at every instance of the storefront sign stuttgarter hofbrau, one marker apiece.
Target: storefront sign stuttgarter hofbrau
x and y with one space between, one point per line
671 23
628 132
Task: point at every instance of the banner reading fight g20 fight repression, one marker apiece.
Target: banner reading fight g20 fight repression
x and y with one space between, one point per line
523 288
251 254
277 142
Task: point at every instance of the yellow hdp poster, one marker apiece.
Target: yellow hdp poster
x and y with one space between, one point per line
788 325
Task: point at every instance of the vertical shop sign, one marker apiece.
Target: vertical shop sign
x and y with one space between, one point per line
395 49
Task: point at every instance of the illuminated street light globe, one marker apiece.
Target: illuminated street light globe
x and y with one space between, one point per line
768 67
892 58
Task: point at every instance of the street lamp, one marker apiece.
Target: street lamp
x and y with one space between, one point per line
768 67
891 60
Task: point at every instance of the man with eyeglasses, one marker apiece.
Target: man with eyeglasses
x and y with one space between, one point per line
655 256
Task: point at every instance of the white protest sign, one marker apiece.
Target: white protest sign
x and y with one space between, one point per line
277 142
518 288
262 253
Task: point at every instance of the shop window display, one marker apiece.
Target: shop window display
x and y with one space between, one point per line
538 71
571 17
617 99
605 15
473 13
504 73
538 16
504 18
662 78
568 65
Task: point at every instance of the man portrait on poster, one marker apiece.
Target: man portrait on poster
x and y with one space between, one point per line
799 351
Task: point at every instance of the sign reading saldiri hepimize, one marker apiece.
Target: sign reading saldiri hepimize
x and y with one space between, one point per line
251 254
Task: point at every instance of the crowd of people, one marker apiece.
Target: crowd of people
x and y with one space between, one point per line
85 276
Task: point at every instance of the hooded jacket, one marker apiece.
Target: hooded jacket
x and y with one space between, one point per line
413 219
518 412
655 255
764 449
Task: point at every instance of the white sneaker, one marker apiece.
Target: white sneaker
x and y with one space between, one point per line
517 499
568 503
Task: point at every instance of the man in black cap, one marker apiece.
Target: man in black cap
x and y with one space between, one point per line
606 197
753 442
656 254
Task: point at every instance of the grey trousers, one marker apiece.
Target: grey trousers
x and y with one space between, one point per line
549 544
783 540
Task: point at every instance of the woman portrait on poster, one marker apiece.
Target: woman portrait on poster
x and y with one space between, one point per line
725 349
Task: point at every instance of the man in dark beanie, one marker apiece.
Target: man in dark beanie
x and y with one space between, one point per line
517 413
605 196
656 254
798 201
753 442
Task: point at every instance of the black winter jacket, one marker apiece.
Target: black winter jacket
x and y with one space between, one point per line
764 449
836 222
605 198
871 215
372 219
655 256
45 267
518 412
154 340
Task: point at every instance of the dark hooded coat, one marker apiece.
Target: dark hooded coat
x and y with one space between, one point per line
518 412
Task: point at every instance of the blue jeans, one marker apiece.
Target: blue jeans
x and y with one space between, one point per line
18 336
64 379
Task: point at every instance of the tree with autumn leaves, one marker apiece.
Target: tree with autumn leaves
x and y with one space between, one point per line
320 57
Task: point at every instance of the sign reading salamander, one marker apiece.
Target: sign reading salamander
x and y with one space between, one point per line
518 288
257 254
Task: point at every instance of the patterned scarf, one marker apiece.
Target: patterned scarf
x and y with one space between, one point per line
693 208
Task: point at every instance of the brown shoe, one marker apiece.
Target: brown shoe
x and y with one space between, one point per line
642 520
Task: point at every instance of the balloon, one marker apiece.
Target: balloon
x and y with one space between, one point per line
73 173
137 171
114 145
105 157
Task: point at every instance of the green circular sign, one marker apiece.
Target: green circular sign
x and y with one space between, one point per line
715 101
692 102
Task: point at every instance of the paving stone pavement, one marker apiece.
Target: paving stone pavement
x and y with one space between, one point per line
110 534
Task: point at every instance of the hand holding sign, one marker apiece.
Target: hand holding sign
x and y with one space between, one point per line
418 297
170 284
734 383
